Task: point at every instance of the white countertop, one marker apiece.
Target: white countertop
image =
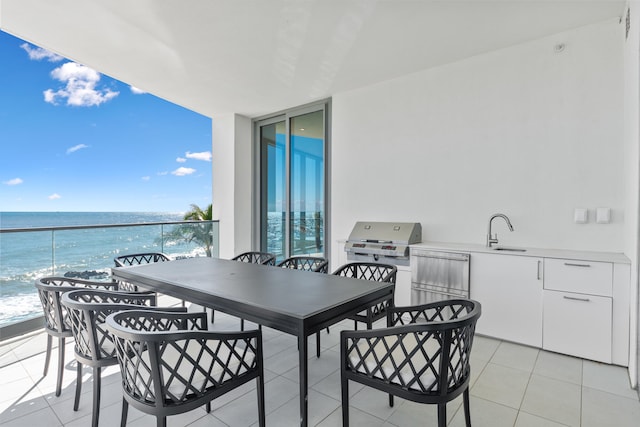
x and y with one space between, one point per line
615 257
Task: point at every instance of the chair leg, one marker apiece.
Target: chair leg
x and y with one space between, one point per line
60 365
161 421
327 329
207 407
76 401
261 408
344 386
125 411
442 415
391 400
355 325
48 358
467 412
97 371
242 324
317 344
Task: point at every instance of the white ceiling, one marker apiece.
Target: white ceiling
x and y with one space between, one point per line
255 57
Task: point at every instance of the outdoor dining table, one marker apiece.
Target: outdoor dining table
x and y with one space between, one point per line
296 302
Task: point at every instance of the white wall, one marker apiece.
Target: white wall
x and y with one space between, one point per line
523 131
632 156
232 182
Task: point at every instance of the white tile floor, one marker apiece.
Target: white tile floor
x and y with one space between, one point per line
512 385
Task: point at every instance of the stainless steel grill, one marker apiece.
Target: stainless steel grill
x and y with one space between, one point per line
385 242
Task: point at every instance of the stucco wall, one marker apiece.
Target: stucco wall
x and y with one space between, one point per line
525 131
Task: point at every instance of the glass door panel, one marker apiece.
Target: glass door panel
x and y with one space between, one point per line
307 184
292 177
273 207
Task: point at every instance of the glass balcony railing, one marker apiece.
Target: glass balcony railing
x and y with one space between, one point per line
84 252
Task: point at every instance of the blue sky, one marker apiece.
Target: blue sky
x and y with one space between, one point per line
72 139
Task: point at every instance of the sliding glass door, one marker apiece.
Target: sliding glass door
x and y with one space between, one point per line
292 175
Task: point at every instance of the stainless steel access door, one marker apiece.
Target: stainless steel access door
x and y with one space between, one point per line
438 275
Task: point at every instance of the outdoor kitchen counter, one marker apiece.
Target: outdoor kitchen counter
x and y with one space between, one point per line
614 257
547 298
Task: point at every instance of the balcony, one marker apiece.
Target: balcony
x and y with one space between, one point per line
512 385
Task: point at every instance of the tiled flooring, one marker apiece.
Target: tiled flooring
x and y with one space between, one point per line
512 385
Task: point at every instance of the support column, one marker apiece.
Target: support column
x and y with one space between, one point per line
232 182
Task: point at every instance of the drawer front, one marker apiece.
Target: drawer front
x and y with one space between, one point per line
587 277
577 324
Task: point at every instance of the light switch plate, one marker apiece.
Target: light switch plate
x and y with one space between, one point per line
580 216
603 215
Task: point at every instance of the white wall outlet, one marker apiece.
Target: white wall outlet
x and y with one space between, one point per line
603 215
581 216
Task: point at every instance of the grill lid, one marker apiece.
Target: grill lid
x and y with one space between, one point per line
406 233
386 239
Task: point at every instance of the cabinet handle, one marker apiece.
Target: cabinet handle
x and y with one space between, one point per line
539 263
576 298
571 264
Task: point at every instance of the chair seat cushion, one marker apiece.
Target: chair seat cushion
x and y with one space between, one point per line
105 344
410 361
191 366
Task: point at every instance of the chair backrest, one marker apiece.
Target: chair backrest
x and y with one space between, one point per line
307 263
368 271
50 289
170 359
88 310
427 354
142 258
254 257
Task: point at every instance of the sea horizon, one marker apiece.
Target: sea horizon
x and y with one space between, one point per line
33 219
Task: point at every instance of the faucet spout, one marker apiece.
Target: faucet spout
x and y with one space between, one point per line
491 239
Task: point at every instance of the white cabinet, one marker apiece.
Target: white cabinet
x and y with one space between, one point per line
578 308
509 288
402 295
578 325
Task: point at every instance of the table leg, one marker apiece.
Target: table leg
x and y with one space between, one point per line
304 407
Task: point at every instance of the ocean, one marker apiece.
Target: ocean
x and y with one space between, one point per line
87 253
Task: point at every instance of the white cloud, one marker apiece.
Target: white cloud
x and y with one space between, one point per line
182 171
163 173
14 181
38 53
80 88
181 160
55 196
205 155
76 148
146 178
137 91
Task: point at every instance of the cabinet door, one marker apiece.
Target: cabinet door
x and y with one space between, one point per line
578 324
509 287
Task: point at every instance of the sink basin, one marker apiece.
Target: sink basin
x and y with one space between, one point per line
505 249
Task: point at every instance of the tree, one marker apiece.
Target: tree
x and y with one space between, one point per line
198 233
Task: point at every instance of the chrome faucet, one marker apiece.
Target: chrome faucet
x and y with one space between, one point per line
491 239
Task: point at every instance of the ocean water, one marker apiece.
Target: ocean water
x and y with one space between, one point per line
25 256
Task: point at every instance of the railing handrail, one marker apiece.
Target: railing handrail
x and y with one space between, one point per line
82 227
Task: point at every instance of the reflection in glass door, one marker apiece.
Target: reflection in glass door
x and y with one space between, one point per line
273 188
307 184
292 184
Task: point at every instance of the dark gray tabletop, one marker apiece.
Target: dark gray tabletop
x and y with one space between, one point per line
292 293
